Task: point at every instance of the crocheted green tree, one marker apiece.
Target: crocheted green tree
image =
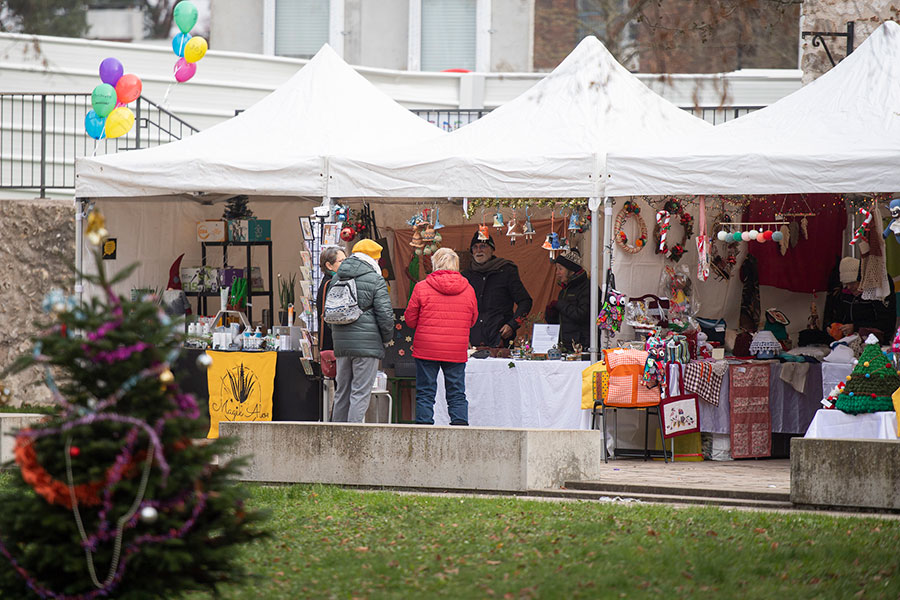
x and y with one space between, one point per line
871 384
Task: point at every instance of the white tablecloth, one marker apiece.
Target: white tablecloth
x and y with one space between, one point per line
538 394
838 424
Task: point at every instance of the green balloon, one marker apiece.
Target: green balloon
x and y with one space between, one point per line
185 16
103 99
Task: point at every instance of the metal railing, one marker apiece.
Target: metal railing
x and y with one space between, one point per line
449 119
41 135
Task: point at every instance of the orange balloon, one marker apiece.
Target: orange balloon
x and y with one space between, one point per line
128 88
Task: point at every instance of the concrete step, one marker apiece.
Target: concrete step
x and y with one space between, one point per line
664 490
658 498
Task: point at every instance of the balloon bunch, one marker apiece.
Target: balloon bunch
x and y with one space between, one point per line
111 117
189 49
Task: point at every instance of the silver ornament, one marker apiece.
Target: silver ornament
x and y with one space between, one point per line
149 514
204 361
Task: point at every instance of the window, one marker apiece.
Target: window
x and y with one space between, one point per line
448 34
301 27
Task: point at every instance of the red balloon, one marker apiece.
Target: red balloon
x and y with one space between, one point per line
128 88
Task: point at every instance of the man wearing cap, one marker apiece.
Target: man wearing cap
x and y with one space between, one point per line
358 346
503 302
846 311
571 309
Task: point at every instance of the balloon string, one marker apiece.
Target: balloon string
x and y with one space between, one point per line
165 102
96 143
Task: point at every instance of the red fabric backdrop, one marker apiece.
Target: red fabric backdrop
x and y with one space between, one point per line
535 268
805 268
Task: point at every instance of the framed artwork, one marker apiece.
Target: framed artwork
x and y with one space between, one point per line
680 415
306 227
331 234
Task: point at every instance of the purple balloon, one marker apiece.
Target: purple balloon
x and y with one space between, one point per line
110 71
184 70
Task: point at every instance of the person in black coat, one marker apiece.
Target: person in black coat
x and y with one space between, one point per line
329 260
503 302
571 309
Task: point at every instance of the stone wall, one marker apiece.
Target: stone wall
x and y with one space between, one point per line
37 246
833 16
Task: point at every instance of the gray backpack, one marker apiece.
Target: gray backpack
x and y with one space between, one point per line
341 306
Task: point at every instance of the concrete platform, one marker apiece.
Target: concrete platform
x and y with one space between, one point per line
9 424
415 456
846 473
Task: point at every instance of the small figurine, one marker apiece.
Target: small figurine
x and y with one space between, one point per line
894 227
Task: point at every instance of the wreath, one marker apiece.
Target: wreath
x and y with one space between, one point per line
630 210
676 251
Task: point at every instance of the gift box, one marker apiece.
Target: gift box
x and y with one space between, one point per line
211 231
191 279
250 230
228 275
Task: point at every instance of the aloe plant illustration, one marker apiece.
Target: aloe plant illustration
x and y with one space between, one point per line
242 382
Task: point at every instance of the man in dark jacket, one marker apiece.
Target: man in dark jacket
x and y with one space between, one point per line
503 302
571 309
359 345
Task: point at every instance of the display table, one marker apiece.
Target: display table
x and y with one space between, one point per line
538 394
838 424
833 374
295 397
790 410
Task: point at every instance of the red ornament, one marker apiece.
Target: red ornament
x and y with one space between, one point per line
767 235
348 233
74 451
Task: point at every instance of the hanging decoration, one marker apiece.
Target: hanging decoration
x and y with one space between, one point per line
551 244
522 203
498 219
703 242
511 232
631 210
862 232
528 228
663 218
612 312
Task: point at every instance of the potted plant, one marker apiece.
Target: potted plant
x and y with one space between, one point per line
285 297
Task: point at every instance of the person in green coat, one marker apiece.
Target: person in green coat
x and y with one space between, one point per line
358 346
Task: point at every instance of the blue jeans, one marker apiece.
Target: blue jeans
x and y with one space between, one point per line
426 388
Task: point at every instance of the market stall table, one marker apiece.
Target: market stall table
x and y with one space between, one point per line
540 394
838 424
295 396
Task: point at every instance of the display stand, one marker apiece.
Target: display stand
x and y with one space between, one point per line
202 304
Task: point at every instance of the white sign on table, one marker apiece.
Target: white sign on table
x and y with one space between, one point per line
543 337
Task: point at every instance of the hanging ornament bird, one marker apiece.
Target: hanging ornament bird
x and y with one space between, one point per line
894 227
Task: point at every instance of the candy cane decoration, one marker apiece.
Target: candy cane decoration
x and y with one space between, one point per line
862 229
662 219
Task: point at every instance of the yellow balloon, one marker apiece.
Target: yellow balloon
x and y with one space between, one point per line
119 122
195 49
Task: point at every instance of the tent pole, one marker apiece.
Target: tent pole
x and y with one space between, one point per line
595 279
607 252
79 246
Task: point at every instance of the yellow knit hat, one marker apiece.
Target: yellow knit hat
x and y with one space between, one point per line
368 247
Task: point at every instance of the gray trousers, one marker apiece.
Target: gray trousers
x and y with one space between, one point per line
354 380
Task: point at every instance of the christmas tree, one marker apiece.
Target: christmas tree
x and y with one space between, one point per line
113 498
870 386
236 208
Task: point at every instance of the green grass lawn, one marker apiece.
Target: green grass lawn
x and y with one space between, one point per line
329 542
335 543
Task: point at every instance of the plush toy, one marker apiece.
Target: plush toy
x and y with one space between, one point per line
612 312
894 227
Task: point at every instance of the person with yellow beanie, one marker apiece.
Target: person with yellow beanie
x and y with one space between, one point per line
359 346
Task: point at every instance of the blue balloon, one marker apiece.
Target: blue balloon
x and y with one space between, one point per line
179 42
95 126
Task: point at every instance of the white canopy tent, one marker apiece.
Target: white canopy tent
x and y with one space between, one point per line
550 142
277 149
838 134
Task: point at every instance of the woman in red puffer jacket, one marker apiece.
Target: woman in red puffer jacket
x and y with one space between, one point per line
442 310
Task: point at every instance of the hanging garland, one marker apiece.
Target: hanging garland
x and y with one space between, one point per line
676 251
521 203
631 210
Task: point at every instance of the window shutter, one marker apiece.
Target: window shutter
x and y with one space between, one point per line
301 27
448 34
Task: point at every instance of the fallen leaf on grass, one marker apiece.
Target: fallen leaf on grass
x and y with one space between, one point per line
362 548
492 562
687 575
